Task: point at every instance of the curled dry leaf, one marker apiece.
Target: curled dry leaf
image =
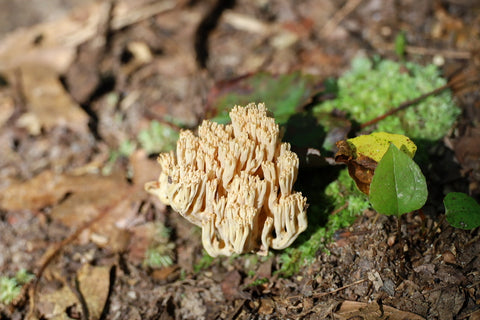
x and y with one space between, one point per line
362 154
235 181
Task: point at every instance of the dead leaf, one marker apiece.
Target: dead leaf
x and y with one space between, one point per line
361 154
166 274
446 303
54 305
361 168
94 284
48 103
43 190
54 43
371 311
267 306
144 169
230 285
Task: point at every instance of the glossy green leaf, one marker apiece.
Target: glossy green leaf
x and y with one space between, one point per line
462 211
398 185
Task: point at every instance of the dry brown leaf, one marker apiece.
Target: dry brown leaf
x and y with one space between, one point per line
54 305
361 168
48 103
371 311
144 169
94 284
54 43
43 190
94 195
89 194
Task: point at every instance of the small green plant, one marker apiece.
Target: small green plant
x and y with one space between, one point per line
205 261
400 44
159 256
284 94
258 282
462 211
157 138
160 253
10 288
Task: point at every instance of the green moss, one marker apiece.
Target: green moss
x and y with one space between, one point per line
371 88
258 282
205 261
10 288
157 138
160 252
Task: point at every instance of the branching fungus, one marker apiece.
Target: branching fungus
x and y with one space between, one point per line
235 181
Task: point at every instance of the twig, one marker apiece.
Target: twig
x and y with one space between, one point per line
457 82
344 206
339 16
54 251
322 294
423 51
405 105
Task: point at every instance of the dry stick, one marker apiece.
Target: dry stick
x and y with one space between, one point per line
460 81
322 294
339 16
405 105
53 252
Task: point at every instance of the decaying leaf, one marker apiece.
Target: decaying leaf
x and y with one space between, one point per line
94 283
63 303
45 96
371 311
56 304
361 154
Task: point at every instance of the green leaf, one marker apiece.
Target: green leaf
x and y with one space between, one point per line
283 94
398 185
462 211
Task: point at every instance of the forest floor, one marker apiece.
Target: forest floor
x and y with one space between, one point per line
81 79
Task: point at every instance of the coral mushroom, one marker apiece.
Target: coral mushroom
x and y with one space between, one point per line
235 181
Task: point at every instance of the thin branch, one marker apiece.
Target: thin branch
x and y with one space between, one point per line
54 251
344 11
322 294
460 81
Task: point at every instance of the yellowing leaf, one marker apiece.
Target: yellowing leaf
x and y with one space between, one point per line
376 144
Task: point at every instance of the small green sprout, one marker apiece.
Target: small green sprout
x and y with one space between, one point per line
159 256
160 253
205 261
157 138
258 282
10 288
400 44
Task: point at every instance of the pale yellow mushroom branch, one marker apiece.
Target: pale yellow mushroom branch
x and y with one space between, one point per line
235 181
